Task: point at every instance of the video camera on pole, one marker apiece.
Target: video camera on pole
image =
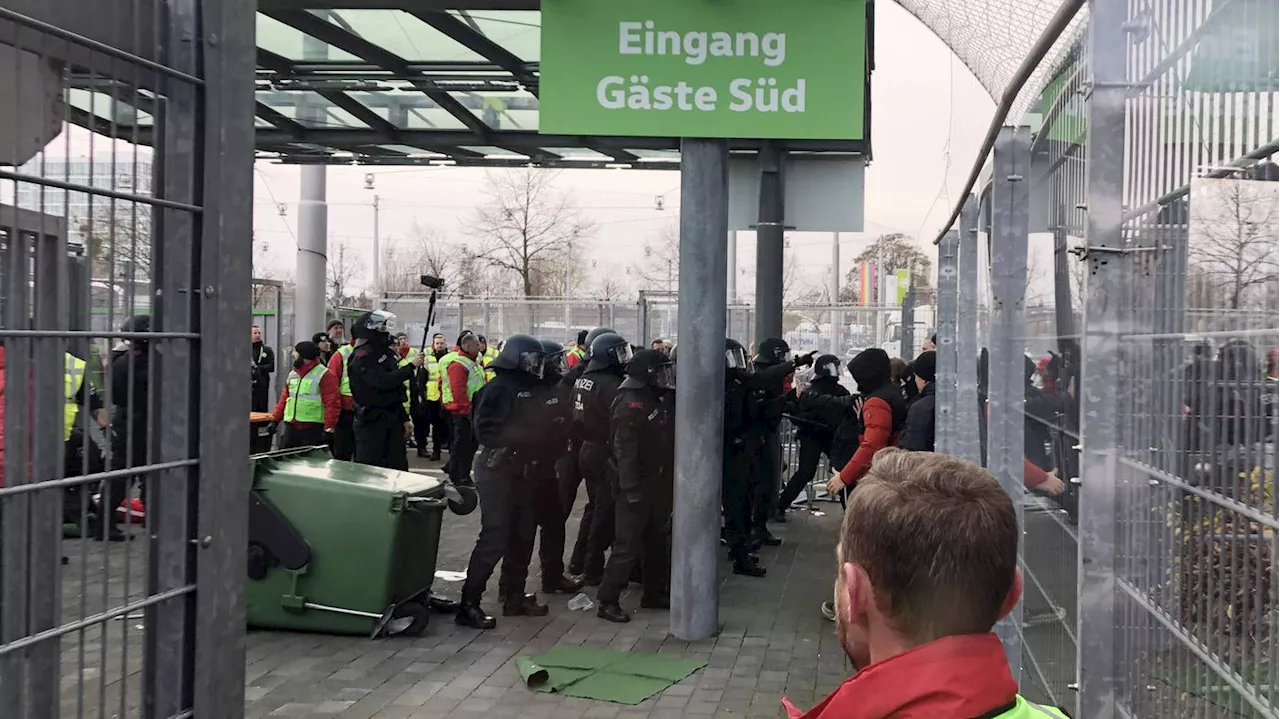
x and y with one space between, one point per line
435 284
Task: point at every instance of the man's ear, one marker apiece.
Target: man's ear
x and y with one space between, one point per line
1015 593
857 588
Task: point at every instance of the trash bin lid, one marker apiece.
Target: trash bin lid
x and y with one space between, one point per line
319 465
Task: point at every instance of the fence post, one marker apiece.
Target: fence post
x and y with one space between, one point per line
946 375
1096 663
1009 226
967 444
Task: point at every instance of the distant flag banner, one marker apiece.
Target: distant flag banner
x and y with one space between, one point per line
866 284
904 283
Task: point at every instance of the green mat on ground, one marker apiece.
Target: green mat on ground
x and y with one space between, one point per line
603 674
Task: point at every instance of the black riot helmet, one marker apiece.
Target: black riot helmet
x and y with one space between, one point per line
827 366
374 325
521 353
553 352
609 350
652 368
594 334
735 356
773 351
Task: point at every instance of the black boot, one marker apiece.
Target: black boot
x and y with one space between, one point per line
613 612
422 453
763 536
442 605
525 606
746 565
471 615
560 585
435 456
591 581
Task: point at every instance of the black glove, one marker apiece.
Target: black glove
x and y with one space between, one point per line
805 360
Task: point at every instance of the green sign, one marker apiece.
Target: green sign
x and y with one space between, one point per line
704 68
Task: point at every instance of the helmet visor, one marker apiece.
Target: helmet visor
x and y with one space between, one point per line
735 358
622 353
555 364
829 369
381 321
664 377
535 363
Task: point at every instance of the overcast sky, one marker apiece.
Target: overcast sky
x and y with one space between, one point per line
928 118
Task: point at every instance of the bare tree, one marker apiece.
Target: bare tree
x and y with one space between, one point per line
611 282
119 243
1232 239
893 251
526 221
660 267
424 251
343 270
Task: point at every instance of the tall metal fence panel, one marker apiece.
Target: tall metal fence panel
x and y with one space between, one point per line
123 484
1128 378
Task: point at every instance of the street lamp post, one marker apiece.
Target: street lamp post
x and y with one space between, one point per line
377 245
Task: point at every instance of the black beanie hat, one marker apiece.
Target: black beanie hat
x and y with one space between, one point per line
870 369
926 366
307 350
466 334
582 337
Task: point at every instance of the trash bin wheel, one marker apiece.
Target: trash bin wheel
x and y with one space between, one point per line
408 619
467 501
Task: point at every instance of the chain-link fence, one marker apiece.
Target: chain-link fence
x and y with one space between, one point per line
1131 290
122 510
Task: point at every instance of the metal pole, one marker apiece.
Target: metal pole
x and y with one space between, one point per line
313 224
968 444
733 267
769 240
1096 664
704 194
833 291
1010 218
946 374
377 256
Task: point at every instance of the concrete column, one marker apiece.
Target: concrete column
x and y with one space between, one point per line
769 239
313 225
704 196
313 251
1009 226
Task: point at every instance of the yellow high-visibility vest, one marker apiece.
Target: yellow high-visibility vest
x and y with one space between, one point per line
475 376
433 378
73 372
304 403
345 351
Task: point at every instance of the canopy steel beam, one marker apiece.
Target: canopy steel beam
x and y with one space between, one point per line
275 63
283 123
333 35
441 5
476 42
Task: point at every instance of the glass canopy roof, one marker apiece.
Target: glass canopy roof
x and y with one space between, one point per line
402 82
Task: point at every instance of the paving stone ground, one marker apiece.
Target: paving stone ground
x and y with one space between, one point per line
774 642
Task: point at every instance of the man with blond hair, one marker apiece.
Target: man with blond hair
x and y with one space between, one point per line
926 564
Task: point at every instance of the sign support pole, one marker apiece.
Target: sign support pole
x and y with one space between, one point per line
699 411
769 245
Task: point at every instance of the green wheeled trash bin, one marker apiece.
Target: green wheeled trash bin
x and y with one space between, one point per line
339 547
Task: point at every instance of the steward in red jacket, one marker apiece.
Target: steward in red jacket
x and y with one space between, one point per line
311 400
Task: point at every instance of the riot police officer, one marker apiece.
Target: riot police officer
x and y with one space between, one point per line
378 388
511 416
593 395
748 408
642 436
772 352
567 467
547 505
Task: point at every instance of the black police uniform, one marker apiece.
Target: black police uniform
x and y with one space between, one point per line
377 387
749 410
570 474
548 505
510 417
642 432
593 395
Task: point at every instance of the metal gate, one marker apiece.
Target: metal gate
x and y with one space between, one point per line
103 420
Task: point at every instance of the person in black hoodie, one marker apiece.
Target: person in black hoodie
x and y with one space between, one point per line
918 432
815 438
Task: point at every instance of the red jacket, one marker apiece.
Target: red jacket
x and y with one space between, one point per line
335 369
877 433
961 676
1032 475
330 394
457 379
